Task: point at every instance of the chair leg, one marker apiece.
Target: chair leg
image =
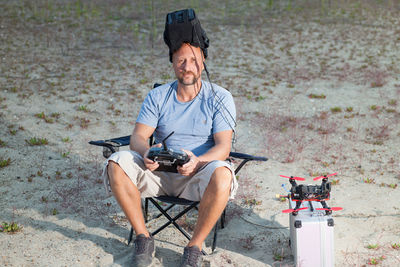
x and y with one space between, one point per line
146 210
130 236
214 243
223 219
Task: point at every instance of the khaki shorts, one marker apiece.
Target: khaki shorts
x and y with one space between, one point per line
151 184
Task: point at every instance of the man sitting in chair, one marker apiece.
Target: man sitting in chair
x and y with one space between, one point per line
202 115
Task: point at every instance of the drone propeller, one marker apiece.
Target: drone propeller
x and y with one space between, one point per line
332 208
325 176
295 178
293 210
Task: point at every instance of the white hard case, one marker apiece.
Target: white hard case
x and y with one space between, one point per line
311 236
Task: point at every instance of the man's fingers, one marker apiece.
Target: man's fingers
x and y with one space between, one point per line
151 165
187 169
148 161
188 152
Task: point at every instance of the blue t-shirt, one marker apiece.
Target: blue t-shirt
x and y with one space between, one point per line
193 122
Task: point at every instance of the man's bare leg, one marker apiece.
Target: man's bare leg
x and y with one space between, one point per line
212 205
127 196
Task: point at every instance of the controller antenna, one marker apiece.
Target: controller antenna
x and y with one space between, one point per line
165 148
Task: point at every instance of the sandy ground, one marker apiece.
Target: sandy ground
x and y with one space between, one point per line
317 91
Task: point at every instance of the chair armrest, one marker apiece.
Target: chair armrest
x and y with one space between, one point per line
246 156
111 145
114 142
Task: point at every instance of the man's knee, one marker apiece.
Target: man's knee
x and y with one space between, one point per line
112 167
115 173
222 178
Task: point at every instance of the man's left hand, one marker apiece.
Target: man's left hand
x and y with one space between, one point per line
190 167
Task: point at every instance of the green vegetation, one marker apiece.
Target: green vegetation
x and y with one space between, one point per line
34 141
55 115
11 228
54 211
2 143
372 246
252 202
395 245
393 186
390 110
4 162
40 115
278 257
43 116
376 261
83 108
369 181
373 107
315 96
290 85
336 109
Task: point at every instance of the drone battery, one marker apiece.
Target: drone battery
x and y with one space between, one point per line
311 236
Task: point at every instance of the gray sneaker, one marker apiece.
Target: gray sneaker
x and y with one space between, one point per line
192 257
144 251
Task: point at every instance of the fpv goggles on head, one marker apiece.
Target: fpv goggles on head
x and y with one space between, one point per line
184 27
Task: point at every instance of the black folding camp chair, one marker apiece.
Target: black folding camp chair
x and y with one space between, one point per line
112 145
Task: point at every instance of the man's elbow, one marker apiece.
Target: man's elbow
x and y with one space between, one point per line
134 140
226 149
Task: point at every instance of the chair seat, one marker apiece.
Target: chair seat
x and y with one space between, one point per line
176 200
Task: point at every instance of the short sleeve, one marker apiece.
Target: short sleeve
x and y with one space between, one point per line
149 112
225 113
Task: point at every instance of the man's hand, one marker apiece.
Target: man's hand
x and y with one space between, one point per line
151 165
190 167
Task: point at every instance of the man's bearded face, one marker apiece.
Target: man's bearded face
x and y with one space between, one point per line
188 64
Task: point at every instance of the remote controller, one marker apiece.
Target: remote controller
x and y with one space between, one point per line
167 158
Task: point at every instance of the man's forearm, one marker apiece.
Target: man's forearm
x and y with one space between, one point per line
217 152
138 144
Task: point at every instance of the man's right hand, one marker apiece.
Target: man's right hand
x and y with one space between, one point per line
150 165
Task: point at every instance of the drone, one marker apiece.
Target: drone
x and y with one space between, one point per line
301 192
